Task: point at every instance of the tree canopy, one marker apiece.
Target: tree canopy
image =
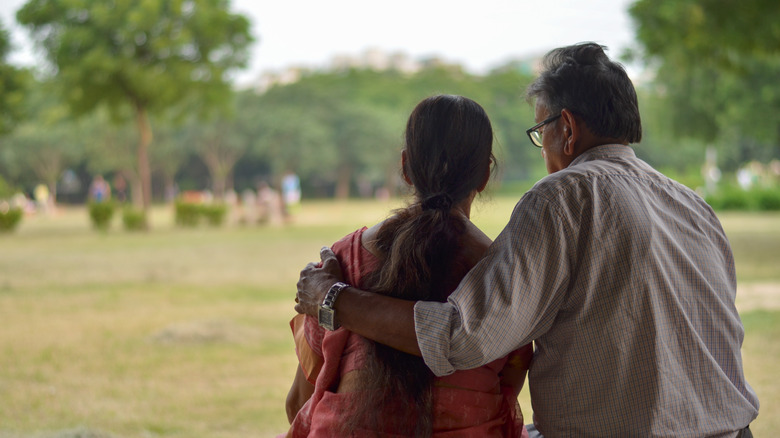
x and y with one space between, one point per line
145 55
13 81
716 62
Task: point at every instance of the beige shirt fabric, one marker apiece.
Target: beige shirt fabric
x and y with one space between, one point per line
625 281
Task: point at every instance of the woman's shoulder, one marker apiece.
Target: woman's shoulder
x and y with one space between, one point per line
474 245
369 237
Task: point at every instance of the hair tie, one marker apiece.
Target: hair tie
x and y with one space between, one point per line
439 201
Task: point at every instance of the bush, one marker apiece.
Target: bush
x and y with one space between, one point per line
214 214
101 214
133 219
9 217
189 214
186 214
734 198
768 199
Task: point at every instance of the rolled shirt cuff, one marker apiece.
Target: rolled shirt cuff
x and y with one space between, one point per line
432 323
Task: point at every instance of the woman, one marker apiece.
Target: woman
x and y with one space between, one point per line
349 386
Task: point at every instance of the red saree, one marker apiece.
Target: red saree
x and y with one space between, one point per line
468 403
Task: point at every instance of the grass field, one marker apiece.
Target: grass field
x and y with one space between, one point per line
183 332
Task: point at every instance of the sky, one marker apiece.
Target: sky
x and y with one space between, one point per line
477 34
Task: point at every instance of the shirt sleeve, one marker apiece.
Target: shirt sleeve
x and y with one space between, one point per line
509 299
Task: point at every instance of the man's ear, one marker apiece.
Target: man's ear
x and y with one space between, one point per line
571 131
403 168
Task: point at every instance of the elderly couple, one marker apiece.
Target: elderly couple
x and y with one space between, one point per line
622 278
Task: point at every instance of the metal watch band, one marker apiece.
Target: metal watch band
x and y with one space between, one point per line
333 293
326 315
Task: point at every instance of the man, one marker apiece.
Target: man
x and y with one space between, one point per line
623 278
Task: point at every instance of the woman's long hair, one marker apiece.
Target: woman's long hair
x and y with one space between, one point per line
448 155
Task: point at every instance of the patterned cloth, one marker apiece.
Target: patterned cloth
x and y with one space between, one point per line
625 281
468 403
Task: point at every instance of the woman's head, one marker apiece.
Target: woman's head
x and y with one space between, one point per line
449 148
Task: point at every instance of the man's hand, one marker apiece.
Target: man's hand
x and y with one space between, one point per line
315 281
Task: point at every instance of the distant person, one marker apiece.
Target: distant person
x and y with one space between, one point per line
271 205
120 186
291 189
623 278
42 198
348 386
99 190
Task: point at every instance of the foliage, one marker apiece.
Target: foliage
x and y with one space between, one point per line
48 141
732 197
6 191
340 129
189 214
133 219
220 143
716 67
101 213
10 217
214 214
147 56
13 85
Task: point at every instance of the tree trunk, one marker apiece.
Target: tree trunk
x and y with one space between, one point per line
342 181
144 170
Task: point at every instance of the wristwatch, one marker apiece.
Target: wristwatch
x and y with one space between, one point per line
327 314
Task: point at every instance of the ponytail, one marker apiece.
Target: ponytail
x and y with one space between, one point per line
418 245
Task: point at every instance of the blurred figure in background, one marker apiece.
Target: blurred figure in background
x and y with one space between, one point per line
291 192
99 190
42 198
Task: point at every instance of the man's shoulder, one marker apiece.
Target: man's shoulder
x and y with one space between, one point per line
563 180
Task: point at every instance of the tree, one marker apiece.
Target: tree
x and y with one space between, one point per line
148 55
48 141
220 148
13 82
716 63
111 148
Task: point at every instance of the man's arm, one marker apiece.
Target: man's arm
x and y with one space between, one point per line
383 319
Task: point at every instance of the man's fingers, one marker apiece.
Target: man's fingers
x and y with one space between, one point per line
329 261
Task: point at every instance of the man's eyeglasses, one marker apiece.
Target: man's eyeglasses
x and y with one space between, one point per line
535 135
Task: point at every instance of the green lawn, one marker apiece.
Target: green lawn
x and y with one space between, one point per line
183 333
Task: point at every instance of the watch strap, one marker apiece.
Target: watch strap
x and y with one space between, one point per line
326 315
330 298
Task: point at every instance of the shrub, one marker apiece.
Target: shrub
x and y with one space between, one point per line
189 214
133 219
101 214
186 214
9 217
734 198
768 199
214 214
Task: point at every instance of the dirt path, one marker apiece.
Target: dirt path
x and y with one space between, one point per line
753 296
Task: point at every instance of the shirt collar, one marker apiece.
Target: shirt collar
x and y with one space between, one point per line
605 151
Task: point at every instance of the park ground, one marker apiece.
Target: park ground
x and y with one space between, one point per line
183 332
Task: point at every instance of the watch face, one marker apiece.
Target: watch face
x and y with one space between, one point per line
325 317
